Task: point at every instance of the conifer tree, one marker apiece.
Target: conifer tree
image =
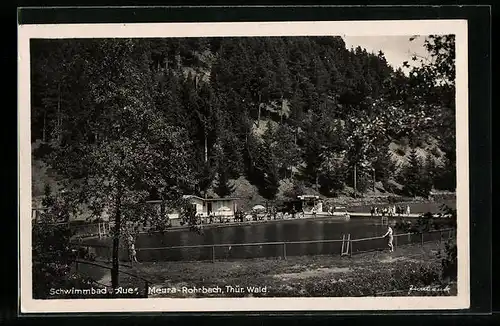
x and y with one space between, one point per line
415 180
223 187
384 165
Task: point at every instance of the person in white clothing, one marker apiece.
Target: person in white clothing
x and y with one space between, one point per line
390 238
132 253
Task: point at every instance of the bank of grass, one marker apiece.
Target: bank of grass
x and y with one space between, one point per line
368 274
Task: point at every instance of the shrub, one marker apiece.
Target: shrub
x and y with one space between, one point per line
451 216
403 226
449 264
435 151
52 257
425 223
393 199
399 280
415 274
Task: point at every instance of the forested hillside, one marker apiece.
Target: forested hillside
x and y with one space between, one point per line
146 118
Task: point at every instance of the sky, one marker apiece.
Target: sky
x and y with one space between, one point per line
397 49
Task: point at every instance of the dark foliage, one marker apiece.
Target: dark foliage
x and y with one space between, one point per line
402 278
53 256
324 98
449 263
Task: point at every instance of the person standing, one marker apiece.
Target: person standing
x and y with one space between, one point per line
390 238
408 210
132 253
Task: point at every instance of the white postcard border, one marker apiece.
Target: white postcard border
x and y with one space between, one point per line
333 28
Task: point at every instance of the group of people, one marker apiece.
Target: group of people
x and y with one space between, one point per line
390 211
274 214
240 216
212 218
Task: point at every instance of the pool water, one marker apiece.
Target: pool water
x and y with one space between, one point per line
230 240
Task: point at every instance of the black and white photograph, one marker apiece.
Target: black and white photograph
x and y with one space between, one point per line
323 161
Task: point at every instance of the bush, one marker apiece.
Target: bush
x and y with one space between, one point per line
52 257
449 264
416 275
403 226
394 199
295 189
399 280
435 151
450 215
425 222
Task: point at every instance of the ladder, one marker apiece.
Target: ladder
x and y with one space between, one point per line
346 245
103 229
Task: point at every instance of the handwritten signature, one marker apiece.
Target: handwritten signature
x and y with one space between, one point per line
429 289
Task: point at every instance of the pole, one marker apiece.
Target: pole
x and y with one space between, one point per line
349 245
355 190
284 250
422 239
213 254
374 180
116 245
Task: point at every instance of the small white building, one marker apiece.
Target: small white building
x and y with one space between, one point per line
205 206
311 203
217 206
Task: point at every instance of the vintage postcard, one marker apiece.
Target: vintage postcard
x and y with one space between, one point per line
264 166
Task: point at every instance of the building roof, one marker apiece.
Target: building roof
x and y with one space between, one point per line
308 197
157 201
210 199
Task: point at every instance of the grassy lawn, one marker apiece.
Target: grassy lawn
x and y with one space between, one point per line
376 273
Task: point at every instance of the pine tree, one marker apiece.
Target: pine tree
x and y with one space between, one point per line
430 168
223 187
384 165
332 175
266 170
414 177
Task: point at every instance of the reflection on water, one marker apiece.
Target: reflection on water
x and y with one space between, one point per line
298 230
